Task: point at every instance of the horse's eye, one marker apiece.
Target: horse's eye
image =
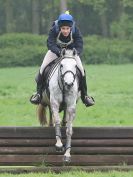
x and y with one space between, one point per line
61 66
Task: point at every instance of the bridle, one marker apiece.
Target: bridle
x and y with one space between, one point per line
69 71
61 83
62 75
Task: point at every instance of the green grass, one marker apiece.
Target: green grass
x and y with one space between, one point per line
111 86
74 174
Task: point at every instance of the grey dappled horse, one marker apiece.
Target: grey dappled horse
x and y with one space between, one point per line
63 88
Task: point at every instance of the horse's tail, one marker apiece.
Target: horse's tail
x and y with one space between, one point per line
41 114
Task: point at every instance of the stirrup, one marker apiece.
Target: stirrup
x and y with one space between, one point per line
35 100
89 101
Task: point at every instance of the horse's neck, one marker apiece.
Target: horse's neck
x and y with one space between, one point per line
54 77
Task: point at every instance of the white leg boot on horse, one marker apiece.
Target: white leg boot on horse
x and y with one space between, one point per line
58 145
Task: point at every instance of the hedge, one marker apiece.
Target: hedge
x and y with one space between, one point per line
99 50
28 50
22 49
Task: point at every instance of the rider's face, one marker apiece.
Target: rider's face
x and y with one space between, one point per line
65 30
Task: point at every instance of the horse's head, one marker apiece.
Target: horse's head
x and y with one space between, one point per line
68 68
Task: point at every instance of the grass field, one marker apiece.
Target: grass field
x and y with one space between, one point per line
111 86
74 174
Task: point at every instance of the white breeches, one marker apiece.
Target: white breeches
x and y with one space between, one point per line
50 56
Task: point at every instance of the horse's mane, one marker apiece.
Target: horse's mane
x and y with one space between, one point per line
68 53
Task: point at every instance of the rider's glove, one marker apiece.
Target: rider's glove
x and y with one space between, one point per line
58 53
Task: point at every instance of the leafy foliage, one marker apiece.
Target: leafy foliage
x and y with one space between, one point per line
123 28
103 17
108 51
21 50
29 50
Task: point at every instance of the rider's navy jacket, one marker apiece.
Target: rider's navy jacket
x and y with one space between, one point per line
77 41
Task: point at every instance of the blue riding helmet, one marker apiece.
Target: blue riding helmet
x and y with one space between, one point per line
65 17
65 20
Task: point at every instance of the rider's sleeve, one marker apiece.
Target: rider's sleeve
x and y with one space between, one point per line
78 41
51 42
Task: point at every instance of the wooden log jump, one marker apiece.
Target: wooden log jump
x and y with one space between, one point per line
99 147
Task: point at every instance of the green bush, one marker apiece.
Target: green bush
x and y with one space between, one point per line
99 50
26 56
17 40
29 50
123 28
22 50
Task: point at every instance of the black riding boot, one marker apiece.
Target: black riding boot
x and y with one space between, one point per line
87 100
36 98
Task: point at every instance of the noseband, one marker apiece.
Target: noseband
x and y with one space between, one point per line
69 71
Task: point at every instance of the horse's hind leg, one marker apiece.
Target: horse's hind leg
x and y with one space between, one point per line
70 116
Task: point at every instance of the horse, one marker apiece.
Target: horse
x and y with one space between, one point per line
63 93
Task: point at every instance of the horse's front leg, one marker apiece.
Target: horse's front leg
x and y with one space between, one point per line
70 114
50 117
64 119
57 121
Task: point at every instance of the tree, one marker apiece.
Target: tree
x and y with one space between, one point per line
9 16
100 6
101 17
35 17
127 3
63 6
122 26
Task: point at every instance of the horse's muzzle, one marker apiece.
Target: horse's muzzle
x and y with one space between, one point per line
68 86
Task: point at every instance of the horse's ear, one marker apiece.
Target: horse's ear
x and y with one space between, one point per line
74 52
63 52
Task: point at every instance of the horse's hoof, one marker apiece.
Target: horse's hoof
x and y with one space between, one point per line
59 148
67 159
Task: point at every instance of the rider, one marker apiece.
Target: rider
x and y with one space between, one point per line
63 33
